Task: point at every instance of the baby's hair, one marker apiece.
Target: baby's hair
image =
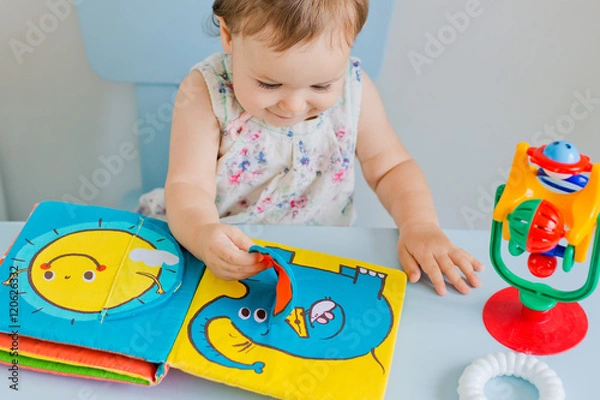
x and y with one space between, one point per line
290 22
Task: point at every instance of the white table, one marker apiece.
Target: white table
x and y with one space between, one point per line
437 338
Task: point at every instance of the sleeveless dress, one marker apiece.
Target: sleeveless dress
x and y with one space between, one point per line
302 174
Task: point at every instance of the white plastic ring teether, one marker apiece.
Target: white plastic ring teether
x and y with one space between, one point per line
474 378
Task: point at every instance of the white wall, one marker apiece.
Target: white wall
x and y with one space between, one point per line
514 72
57 118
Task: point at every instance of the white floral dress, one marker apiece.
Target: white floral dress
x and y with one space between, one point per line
303 174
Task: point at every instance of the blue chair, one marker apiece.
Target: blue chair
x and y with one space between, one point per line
154 43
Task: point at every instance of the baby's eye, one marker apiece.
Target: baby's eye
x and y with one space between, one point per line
268 86
321 88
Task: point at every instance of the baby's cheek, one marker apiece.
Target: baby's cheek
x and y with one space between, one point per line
247 95
328 100
322 105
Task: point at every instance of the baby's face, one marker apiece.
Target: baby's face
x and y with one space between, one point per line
284 88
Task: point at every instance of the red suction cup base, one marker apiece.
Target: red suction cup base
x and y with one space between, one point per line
533 332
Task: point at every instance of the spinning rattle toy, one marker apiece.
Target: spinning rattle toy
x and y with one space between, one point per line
548 208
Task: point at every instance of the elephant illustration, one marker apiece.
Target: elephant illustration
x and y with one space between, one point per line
335 315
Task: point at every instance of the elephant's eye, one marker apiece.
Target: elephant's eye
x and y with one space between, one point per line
260 315
89 276
244 313
48 275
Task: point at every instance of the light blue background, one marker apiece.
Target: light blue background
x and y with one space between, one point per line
514 69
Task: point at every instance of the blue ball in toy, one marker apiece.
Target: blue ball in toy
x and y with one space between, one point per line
563 152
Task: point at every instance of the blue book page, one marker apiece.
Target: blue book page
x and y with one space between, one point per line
97 277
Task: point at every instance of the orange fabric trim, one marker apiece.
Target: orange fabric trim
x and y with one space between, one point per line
82 356
283 288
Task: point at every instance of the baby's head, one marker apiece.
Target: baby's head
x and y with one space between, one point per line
290 57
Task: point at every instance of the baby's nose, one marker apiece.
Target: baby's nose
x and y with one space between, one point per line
292 105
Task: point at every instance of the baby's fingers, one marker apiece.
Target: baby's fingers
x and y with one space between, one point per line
221 266
431 268
411 267
225 253
478 266
239 272
238 238
233 248
468 265
449 269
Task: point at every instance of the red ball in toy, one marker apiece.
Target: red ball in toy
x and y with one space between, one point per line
541 265
547 228
536 226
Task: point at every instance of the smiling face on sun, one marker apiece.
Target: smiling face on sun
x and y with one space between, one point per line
91 270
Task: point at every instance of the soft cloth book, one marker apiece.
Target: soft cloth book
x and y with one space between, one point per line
107 294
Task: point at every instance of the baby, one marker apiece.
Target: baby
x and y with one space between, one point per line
269 130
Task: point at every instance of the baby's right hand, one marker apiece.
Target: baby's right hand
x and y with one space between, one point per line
224 250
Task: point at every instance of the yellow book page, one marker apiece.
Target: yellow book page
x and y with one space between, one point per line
337 343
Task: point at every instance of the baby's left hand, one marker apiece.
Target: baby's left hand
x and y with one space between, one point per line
424 245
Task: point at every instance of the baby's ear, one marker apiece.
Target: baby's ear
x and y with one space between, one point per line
225 34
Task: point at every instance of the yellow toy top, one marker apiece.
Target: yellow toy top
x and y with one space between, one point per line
579 208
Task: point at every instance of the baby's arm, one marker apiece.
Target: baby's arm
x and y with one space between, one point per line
402 189
190 188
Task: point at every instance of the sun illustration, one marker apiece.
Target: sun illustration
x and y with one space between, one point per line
98 269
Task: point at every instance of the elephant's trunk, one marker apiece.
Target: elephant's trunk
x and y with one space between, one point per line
198 334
